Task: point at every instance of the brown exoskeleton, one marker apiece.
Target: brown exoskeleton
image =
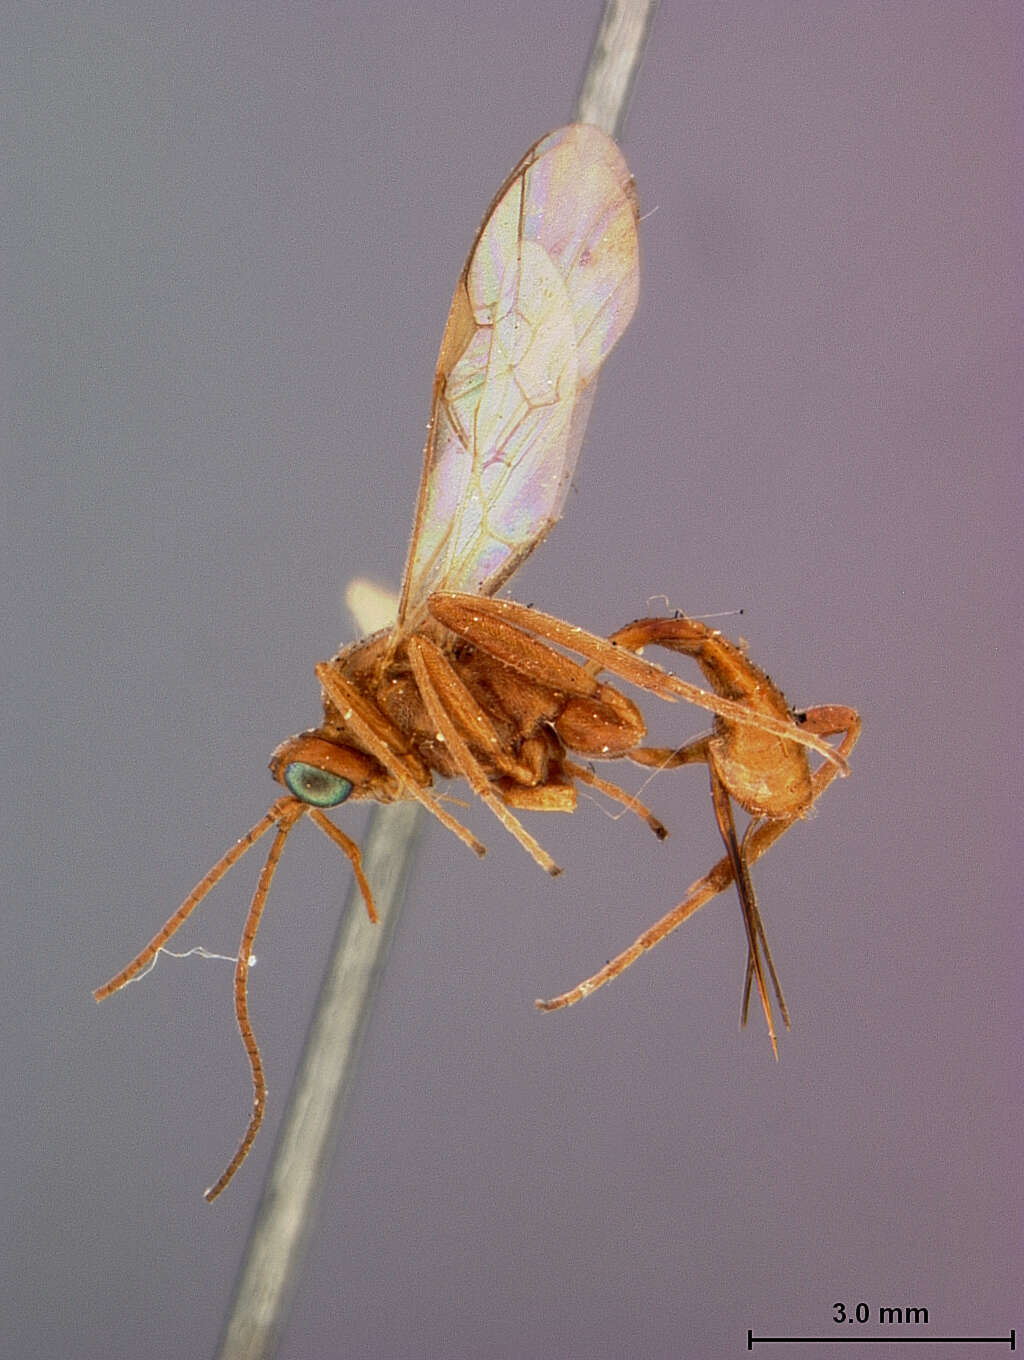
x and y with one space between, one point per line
769 777
466 685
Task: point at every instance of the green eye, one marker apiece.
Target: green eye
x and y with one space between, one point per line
316 786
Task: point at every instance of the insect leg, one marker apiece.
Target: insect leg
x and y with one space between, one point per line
613 791
827 720
433 673
350 704
471 615
349 848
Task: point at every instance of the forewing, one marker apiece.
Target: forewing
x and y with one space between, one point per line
549 286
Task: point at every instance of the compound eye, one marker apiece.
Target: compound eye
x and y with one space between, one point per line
317 787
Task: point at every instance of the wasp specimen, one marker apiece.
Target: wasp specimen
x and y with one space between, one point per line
467 685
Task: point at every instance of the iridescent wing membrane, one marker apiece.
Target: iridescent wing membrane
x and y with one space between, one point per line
549 287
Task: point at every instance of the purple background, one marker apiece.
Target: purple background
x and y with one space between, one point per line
231 236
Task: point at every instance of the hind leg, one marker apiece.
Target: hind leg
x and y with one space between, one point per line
825 721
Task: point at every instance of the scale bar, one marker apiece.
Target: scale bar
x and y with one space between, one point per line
1010 1340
